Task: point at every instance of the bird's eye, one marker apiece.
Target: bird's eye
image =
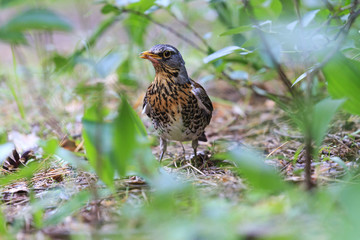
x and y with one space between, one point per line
167 54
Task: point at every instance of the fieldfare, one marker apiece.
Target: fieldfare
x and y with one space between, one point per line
179 107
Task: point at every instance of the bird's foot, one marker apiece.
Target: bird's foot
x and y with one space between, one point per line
200 160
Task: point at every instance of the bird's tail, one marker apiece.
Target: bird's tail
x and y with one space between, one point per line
202 137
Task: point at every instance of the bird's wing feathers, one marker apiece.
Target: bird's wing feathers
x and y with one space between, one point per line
202 97
146 106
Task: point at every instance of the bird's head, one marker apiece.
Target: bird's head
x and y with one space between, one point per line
164 56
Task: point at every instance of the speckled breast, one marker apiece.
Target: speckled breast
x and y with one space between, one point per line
175 112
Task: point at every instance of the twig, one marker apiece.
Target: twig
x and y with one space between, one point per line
308 155
187 26
340 37
277 148
196 169
297 10
81 144
277 66
169 29
190 165
104 25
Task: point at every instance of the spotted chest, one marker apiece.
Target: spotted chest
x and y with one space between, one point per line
175 111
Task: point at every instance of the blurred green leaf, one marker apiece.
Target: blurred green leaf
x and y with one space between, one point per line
38 19
108 64
124 138
125 74
136 27
347 201
92 40
13 37
37 212
341 163
50 146
224 12
5 151
271 53
237 30
108 8
95 111
3 138
98 145
62 63
26 172
3 228
322 114
301 77
224 52
140 5
10 3
267 9
251 165
342 76
308 17
74 204
73 160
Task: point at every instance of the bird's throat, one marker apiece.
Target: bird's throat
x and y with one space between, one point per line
165 73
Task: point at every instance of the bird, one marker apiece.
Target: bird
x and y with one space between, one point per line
179 107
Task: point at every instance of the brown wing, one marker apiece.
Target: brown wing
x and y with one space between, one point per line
146 105
203 98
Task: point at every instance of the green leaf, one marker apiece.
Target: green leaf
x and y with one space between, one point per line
98 145
38 19
50 146
74 204
125 74
3 137
62 63
237 30
136 27
3 228
141 6
251 165
224 52
271 53
308 17
323 112
342 76
26 172
10 3
108 8
73 160
267 9
13 37
301 77
108 64
124 138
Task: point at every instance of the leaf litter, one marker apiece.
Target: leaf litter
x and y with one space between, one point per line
260 126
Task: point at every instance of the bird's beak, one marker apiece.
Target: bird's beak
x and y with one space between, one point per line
149 55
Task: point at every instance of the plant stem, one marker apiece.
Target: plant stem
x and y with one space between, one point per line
308 159
170 29
17 98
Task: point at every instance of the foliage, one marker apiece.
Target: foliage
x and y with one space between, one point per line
310 47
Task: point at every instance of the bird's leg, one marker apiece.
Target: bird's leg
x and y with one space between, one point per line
163 146
182 145
183 156
194 145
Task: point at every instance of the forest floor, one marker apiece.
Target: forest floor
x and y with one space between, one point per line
258 125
